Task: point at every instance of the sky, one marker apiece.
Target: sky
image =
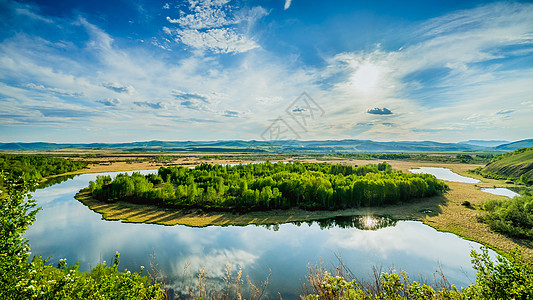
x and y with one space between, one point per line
110 71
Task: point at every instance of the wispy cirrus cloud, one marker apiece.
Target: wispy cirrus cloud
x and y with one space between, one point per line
460 75
56 91
153 105
448 68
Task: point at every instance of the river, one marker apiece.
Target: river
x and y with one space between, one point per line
65 228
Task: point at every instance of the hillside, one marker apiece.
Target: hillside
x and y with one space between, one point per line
513 164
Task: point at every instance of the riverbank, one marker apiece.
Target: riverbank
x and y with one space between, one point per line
444 213
140 213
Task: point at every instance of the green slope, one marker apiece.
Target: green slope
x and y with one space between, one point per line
512 164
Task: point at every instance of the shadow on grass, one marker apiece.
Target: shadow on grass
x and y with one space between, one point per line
415 209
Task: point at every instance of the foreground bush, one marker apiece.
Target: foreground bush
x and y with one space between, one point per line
102 282
513 217
508 278
21 279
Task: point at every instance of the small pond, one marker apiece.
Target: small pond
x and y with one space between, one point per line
444 174
65 228
448 175
501 192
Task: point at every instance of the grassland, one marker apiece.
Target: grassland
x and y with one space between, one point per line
512 165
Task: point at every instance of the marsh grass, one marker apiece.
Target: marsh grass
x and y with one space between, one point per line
341 283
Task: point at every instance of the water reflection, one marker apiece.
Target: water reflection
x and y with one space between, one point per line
359 222
65 228
54 180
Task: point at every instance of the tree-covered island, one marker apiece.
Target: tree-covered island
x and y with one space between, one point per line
265 186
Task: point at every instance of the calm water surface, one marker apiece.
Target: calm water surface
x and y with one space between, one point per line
65 228
448 175
444 174
501 192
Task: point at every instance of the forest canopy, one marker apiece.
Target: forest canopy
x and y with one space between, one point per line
35 167
268 185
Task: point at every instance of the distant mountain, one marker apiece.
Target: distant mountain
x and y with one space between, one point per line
348 145
483 143
515 145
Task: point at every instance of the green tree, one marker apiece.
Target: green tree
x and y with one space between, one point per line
17 213
509 278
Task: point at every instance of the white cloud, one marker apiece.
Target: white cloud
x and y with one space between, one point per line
287 4
29 13
118 88
217 40
56 91
260 85
215 26
207 15
109 101
462 48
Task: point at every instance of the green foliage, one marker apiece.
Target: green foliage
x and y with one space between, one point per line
37 280
511 165
464 158
510 278
387 286
513 217
505 278
460 158
269 186
17 213
102 282
34 167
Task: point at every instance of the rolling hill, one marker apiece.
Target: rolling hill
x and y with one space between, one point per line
512 165
515 145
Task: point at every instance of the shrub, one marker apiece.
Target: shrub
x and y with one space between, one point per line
21 279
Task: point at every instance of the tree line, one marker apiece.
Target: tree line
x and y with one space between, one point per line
268 186
35 167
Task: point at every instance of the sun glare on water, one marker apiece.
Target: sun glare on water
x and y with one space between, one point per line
366 78
369 222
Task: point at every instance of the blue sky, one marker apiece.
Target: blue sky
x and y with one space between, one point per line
121 71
